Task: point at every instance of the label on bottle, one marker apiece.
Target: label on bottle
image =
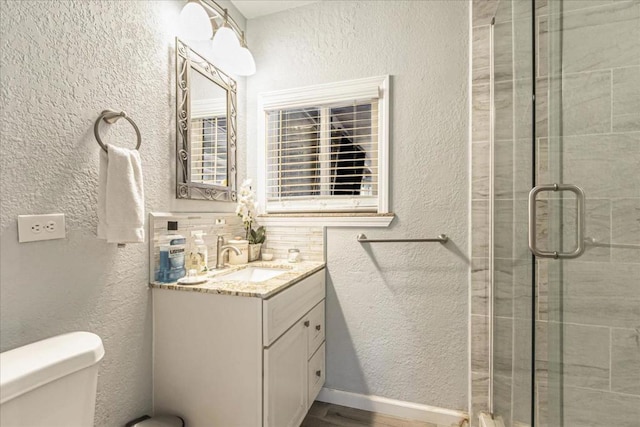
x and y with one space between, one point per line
176 256
202 262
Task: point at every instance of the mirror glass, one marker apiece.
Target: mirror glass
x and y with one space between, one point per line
206 120
208 145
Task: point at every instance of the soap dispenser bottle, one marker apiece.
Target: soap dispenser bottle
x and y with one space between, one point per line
193 261
202 252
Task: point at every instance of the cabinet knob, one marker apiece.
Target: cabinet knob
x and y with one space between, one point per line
306 323
318 373
318 327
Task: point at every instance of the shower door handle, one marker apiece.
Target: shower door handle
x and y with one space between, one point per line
580 218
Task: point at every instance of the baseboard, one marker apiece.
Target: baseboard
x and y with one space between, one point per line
396 408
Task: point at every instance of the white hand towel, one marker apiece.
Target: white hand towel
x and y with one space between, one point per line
120 196
102 196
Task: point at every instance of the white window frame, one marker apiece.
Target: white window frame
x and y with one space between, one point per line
326 94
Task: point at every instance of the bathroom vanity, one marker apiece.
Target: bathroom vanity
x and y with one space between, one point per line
240 353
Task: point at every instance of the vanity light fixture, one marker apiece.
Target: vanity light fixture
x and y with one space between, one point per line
225 42
228 48
246 64
194 23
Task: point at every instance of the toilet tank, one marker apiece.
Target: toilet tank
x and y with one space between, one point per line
51 382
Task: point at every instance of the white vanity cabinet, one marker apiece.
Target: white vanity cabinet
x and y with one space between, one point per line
223 360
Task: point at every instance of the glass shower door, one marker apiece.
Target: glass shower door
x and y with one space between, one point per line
566 324
587 212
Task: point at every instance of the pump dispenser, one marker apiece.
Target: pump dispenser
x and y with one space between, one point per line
198 253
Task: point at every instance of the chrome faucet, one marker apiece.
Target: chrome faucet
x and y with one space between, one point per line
222 250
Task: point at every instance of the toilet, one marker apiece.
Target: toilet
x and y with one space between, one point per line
51 382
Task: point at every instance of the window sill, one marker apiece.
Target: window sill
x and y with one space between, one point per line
327 219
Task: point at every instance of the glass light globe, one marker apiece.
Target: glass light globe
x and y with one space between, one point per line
239 62
225 43
194 23
244 65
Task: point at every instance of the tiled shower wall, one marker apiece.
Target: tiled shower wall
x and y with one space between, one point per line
601 152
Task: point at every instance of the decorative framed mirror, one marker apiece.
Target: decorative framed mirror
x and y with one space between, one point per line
206 110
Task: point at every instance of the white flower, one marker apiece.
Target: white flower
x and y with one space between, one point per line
246 207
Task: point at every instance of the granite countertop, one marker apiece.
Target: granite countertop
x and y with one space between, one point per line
296 272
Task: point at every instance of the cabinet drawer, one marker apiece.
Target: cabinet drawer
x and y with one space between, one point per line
316 328
316 374
281 311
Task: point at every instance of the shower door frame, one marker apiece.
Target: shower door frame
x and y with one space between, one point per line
533 183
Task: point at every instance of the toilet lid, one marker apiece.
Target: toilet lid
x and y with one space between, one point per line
33 365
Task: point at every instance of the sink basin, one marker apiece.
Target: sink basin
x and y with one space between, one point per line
251 274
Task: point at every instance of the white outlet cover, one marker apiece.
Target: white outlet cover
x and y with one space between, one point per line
50 226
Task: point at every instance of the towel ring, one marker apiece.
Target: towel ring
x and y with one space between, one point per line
111 117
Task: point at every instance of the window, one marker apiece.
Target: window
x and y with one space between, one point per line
325 148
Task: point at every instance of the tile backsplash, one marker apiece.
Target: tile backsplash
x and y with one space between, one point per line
213 225
309 240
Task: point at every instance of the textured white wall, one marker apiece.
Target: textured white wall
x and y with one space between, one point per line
61 64
396 313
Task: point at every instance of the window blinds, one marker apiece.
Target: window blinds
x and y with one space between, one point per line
325 156
209 150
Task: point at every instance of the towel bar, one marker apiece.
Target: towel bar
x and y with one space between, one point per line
442 238
590 241
111 117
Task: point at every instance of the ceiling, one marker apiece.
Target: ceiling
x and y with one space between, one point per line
255 8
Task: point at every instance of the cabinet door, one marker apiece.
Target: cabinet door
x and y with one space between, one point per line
285 379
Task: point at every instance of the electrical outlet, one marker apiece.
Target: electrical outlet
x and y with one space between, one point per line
50 227
32 228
